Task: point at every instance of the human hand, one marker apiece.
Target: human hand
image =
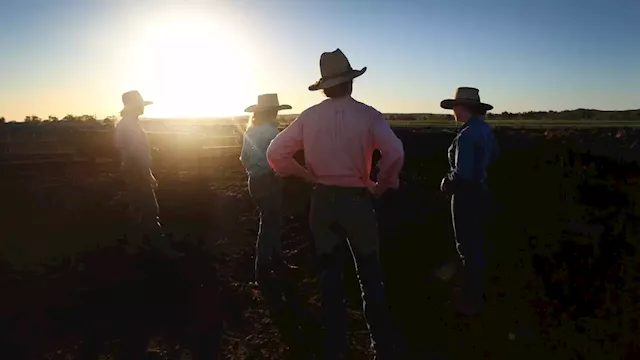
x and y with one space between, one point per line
376 190
445 186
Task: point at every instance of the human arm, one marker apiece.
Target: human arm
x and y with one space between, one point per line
282 148
245 153
464 162
392 151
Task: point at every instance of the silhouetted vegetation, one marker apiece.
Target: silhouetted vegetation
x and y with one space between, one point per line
543 116
566 115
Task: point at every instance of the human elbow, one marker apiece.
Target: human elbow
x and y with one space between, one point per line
395 152
273 156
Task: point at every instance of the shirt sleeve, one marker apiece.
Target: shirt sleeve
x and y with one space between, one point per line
282 148
245 153
392 151
464 157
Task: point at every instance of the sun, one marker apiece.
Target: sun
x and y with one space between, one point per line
192 66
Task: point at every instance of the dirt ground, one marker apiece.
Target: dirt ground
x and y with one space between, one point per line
562 250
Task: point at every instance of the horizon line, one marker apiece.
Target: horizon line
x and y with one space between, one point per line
297 114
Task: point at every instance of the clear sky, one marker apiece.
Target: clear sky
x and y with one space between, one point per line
212 58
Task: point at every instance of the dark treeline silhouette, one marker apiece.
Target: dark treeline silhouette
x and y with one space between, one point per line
565 115
67 120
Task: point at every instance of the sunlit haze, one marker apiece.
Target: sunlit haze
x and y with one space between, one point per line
211 59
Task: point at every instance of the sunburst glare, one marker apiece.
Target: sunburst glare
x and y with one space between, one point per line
191 66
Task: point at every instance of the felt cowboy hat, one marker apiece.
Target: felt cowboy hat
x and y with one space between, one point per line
465 96
335 69
267 102
133 98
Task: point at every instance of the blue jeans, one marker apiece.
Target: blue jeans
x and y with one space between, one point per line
271 271
266 191
143 204
352 210
469 209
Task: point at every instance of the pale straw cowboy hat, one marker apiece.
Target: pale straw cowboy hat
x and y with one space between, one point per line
335 69
267 102
466 96
131 98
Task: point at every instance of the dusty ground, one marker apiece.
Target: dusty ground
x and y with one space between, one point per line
562 278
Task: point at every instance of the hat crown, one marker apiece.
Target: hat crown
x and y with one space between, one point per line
132 97
334 63
467 94
268 100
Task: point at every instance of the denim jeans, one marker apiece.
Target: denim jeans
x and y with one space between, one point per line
266 191
271 271
469 208
143 205
352 210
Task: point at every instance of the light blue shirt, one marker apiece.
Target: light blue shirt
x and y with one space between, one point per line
133 144
255 142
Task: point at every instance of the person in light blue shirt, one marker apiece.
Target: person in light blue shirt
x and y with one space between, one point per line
266 190
264 186
472 151
131 140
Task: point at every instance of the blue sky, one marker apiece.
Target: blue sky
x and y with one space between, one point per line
211 58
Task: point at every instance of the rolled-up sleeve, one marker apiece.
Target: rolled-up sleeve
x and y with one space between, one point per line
282 148
392 151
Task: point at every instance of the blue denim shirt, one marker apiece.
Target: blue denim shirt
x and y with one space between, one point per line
471 152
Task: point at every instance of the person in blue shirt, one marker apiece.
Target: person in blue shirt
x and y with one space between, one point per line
132 142
266 190
472 151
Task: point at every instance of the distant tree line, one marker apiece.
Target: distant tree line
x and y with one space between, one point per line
566 115
572 115
69 119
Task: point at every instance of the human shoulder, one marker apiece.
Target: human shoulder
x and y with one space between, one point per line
475 130
481 127
122 126
371 112
309 113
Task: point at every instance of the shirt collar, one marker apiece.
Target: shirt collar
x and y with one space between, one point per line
472 120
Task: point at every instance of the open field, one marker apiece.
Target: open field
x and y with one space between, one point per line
563 255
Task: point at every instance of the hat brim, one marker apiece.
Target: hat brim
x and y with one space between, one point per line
255 108
331 82
450 103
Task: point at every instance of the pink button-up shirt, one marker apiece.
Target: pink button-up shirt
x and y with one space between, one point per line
338 137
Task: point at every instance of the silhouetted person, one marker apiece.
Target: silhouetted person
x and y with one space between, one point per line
134 148
339 136
472 151
265 188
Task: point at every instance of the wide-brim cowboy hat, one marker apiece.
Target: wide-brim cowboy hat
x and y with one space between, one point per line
132 98
466 96
335 69
267 102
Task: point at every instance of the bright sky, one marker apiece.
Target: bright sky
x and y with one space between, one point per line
212 58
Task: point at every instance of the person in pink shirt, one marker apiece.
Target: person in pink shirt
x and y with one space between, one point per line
338 137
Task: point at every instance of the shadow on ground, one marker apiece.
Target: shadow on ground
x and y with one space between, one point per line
562 254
